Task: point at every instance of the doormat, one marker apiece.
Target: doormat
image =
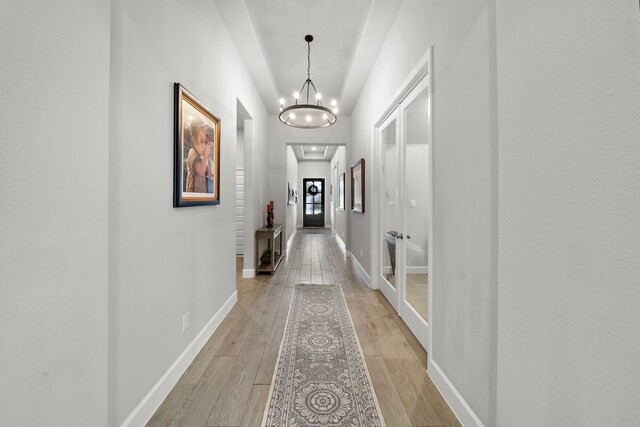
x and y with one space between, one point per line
321 378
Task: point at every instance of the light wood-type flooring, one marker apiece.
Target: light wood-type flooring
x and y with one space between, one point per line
228 382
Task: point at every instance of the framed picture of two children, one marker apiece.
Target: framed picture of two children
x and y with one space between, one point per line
196 173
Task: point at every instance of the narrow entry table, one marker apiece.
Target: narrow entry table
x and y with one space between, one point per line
270 259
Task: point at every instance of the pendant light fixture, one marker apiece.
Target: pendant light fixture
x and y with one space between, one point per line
311 114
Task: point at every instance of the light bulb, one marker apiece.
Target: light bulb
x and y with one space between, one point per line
292 116
314 148
281 101
318 96
296 95
190 118
335 111
324 116
308 118
334 102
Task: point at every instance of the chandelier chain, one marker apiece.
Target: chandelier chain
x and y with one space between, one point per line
308 60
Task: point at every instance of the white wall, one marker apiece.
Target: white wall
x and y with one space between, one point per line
292 178
337 168
313 170
163 261
569 106
53 186
240 147
465 186
279 136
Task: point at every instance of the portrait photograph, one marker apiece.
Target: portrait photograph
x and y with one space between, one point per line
197 152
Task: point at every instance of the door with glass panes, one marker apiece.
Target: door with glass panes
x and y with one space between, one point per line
313 208
405 210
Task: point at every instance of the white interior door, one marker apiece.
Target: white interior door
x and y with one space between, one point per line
416 211
389 197
405 210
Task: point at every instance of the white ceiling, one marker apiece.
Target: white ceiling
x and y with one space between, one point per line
314 153
348 35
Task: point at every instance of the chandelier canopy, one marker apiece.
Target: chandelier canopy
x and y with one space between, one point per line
308 115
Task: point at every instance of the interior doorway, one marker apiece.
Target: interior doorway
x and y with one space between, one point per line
313 208
244 245
405 209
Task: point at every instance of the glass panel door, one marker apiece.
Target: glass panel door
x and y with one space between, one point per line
389 189
416 211
313 212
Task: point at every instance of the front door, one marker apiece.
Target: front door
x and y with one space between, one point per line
313 209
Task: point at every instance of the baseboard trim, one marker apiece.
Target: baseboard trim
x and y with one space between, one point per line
418 270
249 273
295 231
148 406
454 399
361 270
341 242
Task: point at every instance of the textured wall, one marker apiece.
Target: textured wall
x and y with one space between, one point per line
53 185
569 114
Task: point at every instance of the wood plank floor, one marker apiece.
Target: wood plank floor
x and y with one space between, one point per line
228 382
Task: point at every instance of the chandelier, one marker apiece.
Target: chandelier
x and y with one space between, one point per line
308 115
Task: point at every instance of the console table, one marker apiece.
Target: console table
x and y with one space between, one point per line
270 259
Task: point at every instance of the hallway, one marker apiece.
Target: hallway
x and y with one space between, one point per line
228 383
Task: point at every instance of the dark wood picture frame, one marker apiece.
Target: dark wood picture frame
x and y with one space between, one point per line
196 172
357 187
341 192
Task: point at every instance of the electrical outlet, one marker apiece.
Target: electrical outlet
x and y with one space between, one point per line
185 321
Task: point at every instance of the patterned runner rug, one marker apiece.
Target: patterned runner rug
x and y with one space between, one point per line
321 378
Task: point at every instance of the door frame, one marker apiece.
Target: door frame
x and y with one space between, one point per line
304 202
421 71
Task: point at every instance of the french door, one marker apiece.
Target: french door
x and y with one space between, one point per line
405 209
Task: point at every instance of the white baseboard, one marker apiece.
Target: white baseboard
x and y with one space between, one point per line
341 242
361 270
295 231
249 273
148 406
456 402
418 270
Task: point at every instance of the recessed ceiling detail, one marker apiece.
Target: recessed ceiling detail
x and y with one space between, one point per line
348 36
314 153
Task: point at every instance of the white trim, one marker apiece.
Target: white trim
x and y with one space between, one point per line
295 231
361 270
456 402
150 403
421 69
341 243
248 273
